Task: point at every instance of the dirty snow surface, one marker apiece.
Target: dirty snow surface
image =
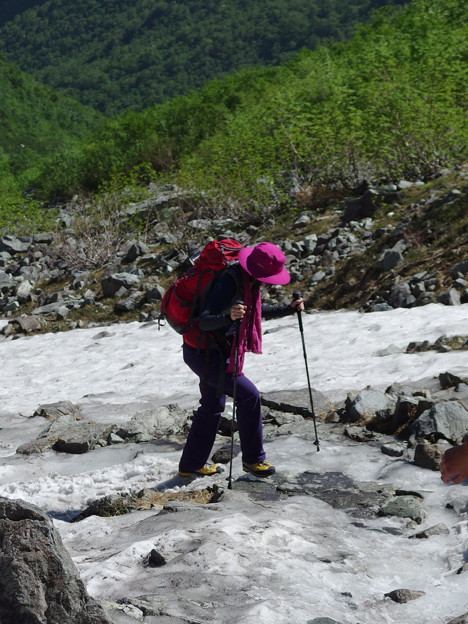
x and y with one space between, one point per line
243 559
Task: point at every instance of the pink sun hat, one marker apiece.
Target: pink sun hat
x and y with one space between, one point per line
265 262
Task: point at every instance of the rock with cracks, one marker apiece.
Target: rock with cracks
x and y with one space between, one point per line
39 583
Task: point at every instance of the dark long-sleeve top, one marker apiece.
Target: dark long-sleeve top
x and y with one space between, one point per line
225 292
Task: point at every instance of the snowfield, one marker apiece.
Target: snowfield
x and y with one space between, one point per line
240 560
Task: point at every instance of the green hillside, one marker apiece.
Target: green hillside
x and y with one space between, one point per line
36 121
390 103
119 54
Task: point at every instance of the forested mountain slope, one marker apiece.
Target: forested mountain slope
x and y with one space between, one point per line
389 104
35 121
118 54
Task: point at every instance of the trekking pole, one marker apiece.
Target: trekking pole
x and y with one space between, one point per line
234 393
296 296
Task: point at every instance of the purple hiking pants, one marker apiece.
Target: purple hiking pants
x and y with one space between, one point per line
202 434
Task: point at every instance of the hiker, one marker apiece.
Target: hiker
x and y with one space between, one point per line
454 464
234 299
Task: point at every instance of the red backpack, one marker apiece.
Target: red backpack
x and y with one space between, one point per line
181 302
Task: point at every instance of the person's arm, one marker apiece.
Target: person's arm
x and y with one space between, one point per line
278 311
217 312
454 464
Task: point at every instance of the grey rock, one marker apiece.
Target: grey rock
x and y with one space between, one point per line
27 324
437 529
428 455
369 406
53 411
39 583
82 437
450 297
461 619
310 243
461 267
404 184
156 423
154 294
366 205
298 402
24 290
322 620
14 245
380 307
59 310
389 260
5 258
223 454
407 410
13 306
126 305
393 449
301 221
449 380
134 251
361 434
284 418
319 276
425 298
405 506
154 559
459 394
43 238
404 595
112 284
200 224
7 282
64 434
448 419
358 499
401 296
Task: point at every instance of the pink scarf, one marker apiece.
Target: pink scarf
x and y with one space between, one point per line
250 330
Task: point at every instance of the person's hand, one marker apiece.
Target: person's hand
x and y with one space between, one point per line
238 311
297 304
454 464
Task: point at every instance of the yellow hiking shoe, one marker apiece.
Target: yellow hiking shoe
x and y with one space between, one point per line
205 471
260 469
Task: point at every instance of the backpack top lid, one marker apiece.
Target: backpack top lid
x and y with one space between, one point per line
180 304
218 254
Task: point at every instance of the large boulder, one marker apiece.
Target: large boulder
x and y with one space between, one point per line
369 407
298 402
367 204
118 283
447 420
156 423
39 583
14 245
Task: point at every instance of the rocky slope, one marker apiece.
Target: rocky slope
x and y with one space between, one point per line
401 245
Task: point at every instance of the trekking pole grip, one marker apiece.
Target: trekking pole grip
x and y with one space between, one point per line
296 296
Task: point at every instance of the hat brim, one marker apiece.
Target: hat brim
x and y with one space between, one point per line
279 279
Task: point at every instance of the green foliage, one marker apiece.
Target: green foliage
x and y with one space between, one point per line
391 102
117 54
37 122
23 216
